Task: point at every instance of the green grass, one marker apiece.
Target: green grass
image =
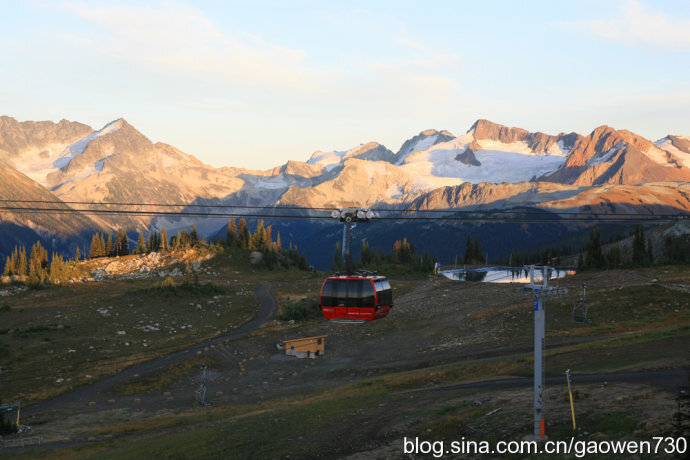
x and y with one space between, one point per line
184 290
90 330
163 379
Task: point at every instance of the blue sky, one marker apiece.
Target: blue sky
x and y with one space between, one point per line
253 84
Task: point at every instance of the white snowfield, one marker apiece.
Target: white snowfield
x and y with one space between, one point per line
667 145
500 162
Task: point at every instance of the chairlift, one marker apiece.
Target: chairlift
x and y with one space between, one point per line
580 309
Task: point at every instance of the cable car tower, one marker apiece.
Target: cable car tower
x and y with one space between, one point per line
350 217
540 292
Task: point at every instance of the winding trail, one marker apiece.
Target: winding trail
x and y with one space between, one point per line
84 394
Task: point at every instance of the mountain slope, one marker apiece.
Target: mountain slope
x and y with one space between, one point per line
59 229
33 146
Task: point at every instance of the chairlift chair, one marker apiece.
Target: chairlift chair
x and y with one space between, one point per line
580 309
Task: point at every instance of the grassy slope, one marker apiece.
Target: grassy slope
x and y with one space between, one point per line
637 325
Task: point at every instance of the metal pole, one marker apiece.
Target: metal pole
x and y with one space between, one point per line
538 366
570 391
348 252
342 247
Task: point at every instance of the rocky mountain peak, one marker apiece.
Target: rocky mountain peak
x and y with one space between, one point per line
488 130
421 141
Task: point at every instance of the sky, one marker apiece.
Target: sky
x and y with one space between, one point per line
254 84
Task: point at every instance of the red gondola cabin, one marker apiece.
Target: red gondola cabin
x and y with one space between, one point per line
356 297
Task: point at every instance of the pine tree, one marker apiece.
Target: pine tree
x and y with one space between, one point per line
22 264
231 239
243 234
164 239
337 262
122 245
595 257
478 252
141 244
38 264
367 257
279 244
639 255
194 235
257 240
58 269
469 250
93 248
7 271
77 255
268 240
109 246
650 251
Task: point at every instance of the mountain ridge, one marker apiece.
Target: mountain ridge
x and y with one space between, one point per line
120 164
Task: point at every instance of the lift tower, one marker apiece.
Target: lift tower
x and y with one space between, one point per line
350 217
540 291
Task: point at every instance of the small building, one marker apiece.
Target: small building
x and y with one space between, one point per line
306 347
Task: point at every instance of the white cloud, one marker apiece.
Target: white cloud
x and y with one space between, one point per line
639 25
173 37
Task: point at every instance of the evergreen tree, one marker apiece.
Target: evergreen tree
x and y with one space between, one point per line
595 257
337 262
639 255
268 239
93 248
22 264
141 244
613 258
122 246
367 256
109 246
77 255
279 244
257 240
469 250
650 252
194 235
231 239
7 271
164 239
58 269
38 264
243 234
478 252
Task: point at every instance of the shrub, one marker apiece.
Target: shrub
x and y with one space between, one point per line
303 310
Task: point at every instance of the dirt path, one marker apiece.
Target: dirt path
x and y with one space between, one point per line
668 379
81 396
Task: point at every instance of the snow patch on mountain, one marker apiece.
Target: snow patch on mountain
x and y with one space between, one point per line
604 157
327 158
273 183
420 145
667 144
659 156
559 149
78 147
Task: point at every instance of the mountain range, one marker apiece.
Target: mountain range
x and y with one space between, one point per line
491 166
